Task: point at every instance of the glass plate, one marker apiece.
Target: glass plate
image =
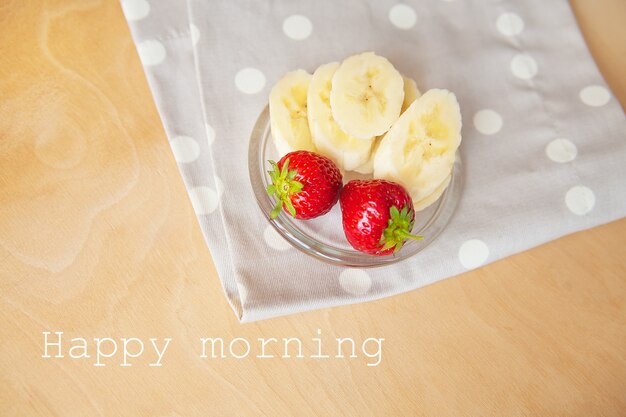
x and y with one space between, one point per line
323 237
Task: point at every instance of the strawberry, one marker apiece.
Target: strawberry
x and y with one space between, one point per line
377 216
305 184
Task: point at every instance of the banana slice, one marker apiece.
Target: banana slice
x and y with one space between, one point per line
411 93
328 138
366 95
288 113
419 149
368 166
427 201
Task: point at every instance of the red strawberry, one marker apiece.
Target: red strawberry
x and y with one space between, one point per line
305 184
377 216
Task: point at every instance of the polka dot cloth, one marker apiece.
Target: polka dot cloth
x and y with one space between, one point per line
249 80
510 24
561 150
195 33
355 281
500 92
219 186
595 95
210 133
402 16
487 121
135 9
580 200
185 149
274 240
473 253
151 52
297 27
524 66
243 292
203 199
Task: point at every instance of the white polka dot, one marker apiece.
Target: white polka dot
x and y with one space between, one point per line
473 253
195 33
297 27
275 240
595 95
402 16
561 150
135 9
151 52
203 199
580 200
487 121
185 149
510 24
210 133
355 281
219 186
250 80
524 66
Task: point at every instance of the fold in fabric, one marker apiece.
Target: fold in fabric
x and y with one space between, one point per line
543 137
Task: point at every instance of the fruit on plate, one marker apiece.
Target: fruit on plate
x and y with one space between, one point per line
288 113
377 216
419 150
361 115
305 184
366 95
344 150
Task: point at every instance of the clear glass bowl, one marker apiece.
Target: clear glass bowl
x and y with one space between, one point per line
323 237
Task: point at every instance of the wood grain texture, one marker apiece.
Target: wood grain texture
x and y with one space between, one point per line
98 238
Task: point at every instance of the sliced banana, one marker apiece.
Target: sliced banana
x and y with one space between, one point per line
366 95
328 138
434 196
288 113
411 93
419 150
368 166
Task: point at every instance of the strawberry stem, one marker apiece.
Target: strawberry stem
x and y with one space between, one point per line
398 229
282 187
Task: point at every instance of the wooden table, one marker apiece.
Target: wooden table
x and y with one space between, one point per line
98 239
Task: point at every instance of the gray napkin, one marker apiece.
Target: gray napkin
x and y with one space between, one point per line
544 149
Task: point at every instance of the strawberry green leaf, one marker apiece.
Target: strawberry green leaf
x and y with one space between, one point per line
386 246
297 186
290 208
393 212
398 229
398 247
285 169
283 186
276 210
